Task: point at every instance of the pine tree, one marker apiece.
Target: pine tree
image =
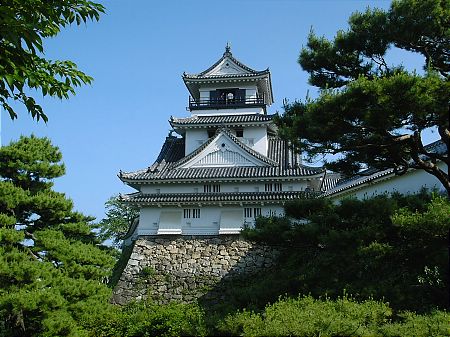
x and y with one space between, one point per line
52 267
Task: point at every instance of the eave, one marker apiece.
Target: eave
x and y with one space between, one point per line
207 199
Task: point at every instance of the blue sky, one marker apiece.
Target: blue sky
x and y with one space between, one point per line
137 53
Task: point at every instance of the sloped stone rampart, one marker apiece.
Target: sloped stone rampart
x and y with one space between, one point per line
184 268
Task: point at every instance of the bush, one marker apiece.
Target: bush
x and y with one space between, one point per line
392 248
306 316
147 318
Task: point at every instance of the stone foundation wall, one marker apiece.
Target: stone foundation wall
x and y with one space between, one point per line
184 268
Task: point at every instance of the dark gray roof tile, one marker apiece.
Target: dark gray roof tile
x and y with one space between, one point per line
282 160
217 197
220 120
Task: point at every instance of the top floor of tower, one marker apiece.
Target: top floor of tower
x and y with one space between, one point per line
229 87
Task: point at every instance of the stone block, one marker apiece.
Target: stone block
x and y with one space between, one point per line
133 262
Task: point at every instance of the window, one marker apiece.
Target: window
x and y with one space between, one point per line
247 212
257 212
186 213
239 133
191 213
227 96
196 213
158 191
195 190
273 187
211 188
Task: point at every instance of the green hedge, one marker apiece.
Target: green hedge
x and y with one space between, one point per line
306 316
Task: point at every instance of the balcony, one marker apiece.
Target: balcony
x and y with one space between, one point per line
226 103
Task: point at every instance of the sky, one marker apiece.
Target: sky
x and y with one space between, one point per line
137 53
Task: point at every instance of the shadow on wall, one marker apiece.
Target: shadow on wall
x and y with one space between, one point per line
187 268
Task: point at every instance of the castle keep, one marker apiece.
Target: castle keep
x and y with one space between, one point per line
226 165
218 170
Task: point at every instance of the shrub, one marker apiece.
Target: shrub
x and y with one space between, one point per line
147 318
306 316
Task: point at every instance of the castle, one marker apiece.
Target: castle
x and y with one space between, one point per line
226 165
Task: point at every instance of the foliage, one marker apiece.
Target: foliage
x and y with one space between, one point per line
265 229
119 217
306 316
23 26
386 247
120 265
369 112
51 266
146 318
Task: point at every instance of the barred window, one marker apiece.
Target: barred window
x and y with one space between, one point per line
187 213
247 212
268 187
257 212
196 213
191 213
211 188
278 187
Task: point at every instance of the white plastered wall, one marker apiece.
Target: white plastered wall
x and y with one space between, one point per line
194 139
259 136
224 187
409 183
209 223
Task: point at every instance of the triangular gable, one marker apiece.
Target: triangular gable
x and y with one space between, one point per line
227 66
223 151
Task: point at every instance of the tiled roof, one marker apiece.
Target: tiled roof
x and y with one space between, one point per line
224 76
330 180
220 119
372 174
235 140
283 163
217 197
364 177
225 55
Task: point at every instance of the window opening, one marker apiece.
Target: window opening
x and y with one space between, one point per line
247 212
196 213
211 188
257 212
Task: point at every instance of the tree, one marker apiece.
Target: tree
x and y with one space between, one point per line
52 268
23 26
119 217
387 247
371 113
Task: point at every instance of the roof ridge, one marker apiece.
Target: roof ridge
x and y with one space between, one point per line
229 55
